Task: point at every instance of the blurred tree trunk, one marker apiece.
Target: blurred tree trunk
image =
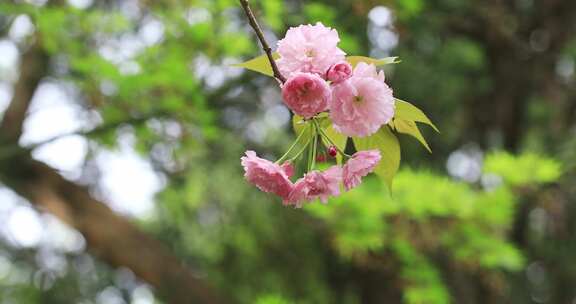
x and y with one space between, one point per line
109 237
522 55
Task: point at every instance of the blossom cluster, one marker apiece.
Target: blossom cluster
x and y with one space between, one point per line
319 80
274 178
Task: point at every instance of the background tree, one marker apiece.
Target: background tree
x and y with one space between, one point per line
155 77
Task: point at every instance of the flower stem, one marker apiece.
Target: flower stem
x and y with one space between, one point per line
327 138
283 157
314 149
301 150
309 163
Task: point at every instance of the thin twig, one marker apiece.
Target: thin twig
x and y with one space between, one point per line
265 46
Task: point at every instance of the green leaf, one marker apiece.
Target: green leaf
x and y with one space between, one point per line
298 123
385 141
259 64
407 111
354 60
409 127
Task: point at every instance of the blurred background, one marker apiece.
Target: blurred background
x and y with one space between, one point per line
123 123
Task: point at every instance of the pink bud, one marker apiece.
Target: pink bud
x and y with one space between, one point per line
332 151
339 72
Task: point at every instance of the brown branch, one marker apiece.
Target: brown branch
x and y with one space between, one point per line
265 47
13 149
109 236
103 129
33 66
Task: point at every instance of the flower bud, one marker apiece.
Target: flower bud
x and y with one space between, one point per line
332 151
339 72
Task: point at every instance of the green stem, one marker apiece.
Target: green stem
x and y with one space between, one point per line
309 163
301 150
325 136
283 157
314 149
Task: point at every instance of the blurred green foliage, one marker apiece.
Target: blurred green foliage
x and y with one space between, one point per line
433 239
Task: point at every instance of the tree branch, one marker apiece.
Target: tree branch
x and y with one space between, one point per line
108 236
265 47
102 129
13 149
33 67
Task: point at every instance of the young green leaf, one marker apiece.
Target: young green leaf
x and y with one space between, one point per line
353 60
259 64
407 111
409 127
385 141
298 123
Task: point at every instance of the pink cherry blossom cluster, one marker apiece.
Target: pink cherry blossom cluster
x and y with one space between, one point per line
319 79
274 178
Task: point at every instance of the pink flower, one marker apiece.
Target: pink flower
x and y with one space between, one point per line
361 163
306 94
288 168
363 69
266 175
339 72
309 48
316 184
363 103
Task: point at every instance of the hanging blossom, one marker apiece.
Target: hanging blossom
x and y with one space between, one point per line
309 48
316 185
306 94
266 175
358 166
363 103
319 80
